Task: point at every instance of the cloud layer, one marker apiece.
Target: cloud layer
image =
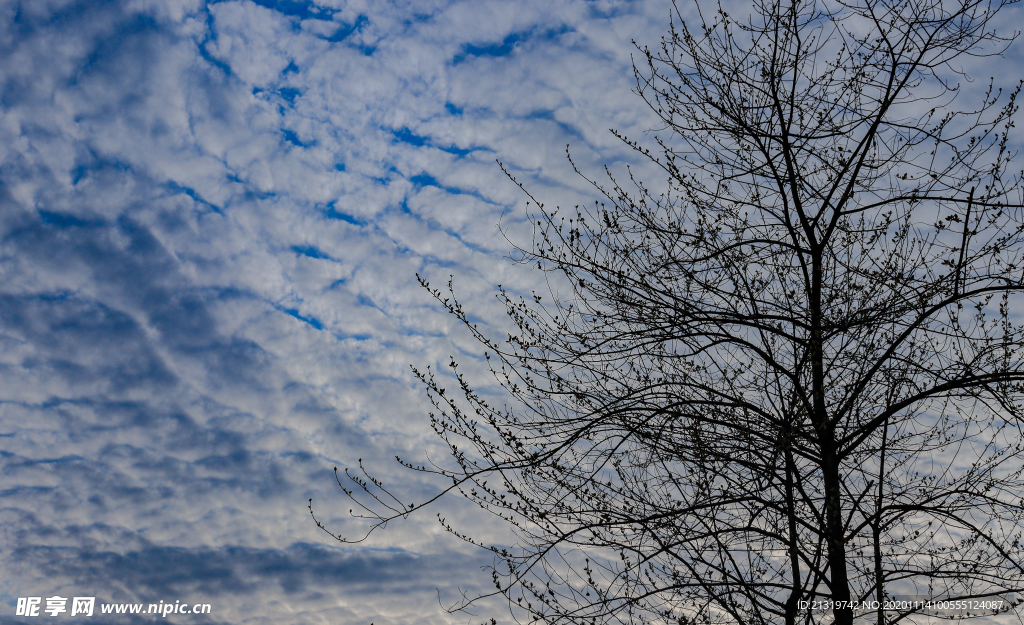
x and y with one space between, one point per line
211 218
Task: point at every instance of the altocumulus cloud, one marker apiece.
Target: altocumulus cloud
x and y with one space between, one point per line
211 215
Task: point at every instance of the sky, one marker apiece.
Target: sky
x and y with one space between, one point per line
212 215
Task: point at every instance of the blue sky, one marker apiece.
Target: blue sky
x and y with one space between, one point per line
211 218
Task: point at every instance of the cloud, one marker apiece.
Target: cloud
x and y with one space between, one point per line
299 569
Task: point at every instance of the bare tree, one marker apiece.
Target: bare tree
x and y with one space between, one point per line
788 381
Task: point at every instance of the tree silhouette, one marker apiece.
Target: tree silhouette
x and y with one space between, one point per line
792 374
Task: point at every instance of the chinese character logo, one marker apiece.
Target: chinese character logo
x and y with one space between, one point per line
82 605
28 606
56 605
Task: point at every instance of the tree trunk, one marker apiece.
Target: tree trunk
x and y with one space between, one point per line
839 583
